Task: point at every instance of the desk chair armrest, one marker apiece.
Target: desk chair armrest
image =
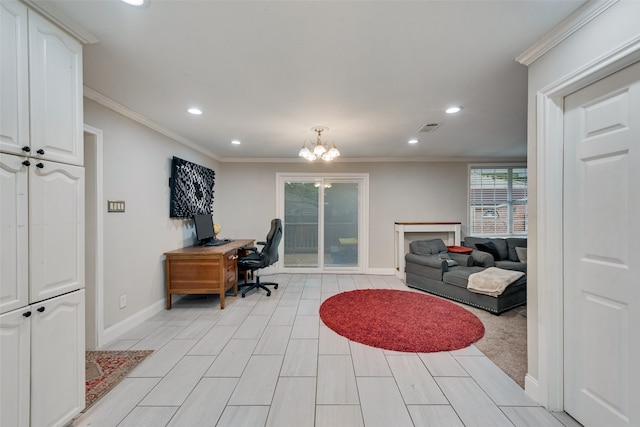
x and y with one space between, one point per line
248 248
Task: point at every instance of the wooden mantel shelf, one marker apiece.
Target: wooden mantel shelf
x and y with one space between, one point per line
426 223
401 227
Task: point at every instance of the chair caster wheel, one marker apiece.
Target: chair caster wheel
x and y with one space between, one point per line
268 294
242 295
275 286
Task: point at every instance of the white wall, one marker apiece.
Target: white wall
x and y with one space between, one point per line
136 166
246 197
614 28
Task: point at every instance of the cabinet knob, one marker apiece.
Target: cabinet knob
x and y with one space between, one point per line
40 151
26 149
26 163
27 314
39 165
40 309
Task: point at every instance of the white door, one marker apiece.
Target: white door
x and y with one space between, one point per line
602 251
57 360
14 252
15 367
56 229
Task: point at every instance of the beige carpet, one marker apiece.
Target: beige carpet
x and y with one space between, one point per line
505 340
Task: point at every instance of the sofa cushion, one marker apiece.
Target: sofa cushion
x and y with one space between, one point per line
512 265
501 245
427 247
522 254
512 244
490 248
460 276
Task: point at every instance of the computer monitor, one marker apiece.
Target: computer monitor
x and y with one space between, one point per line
204 228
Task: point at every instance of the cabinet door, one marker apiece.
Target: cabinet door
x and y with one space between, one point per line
56 229
14 255
55 67
57 360
15 358
14 84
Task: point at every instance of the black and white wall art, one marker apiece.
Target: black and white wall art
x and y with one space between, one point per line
191 189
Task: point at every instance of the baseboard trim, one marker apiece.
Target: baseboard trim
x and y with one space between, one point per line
114 332
532 388
381 271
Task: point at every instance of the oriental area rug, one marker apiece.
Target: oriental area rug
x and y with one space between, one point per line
401 320
105 369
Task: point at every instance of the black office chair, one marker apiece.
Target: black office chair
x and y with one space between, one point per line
267 256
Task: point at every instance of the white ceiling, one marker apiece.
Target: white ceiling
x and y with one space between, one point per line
374 72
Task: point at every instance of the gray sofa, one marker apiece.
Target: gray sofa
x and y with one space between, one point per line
431 268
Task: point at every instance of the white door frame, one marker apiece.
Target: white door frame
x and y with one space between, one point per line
98 272
549 235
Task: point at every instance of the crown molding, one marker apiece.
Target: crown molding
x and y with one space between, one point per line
109 103
60 19
474 160
578 19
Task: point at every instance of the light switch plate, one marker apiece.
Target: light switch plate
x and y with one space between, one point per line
115 205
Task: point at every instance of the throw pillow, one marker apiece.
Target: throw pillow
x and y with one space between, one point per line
522 254
489 247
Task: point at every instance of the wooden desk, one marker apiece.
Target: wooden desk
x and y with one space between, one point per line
203 270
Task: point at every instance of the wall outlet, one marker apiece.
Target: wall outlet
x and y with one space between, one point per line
123 301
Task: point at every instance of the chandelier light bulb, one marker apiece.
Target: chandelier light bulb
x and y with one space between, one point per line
319 150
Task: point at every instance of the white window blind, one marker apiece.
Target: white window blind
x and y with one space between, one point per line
498 200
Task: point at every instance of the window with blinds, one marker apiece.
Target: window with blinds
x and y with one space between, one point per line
498 200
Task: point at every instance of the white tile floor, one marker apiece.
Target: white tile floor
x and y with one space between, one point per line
269 361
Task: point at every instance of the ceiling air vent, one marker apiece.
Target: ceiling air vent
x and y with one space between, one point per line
429 127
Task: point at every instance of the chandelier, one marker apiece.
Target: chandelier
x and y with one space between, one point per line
318 150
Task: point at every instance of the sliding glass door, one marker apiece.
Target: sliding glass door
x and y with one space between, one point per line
324 218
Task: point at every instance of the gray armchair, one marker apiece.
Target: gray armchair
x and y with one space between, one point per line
433 253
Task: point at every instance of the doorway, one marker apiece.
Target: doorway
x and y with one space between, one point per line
325 218
94 320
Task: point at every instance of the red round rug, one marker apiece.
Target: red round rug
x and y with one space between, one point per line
401 320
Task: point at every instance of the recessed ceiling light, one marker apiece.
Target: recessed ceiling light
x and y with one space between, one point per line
452 110
235 142
134 2
195 111
413 141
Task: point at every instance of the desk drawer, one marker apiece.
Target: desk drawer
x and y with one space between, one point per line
230 269
194 274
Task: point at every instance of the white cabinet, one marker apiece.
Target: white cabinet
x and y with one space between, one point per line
42 369
15 367
14 74
42 230
57 360
14 250
40 88
56 229
41 221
